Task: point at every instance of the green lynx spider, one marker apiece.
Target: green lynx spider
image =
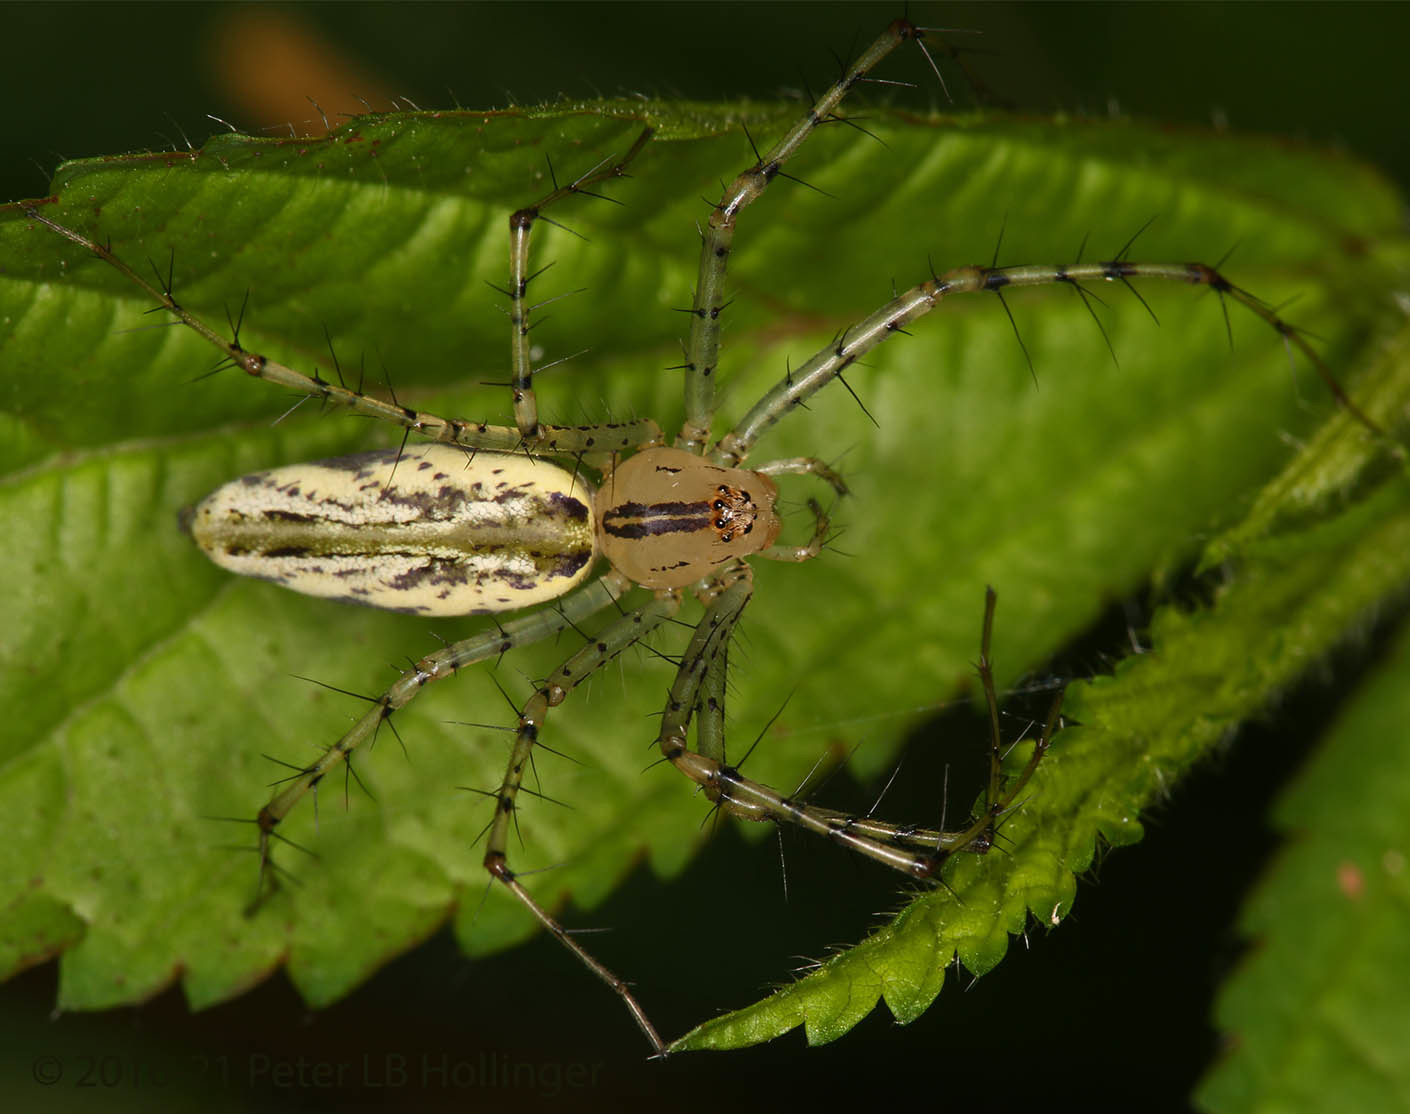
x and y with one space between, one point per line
725 586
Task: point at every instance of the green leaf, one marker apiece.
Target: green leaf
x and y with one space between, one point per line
1317 1018
143 686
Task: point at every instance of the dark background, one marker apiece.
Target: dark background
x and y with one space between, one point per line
96 79
1110 1012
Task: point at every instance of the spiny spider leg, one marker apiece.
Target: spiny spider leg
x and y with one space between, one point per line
699 689
619 635
717 239
725 595
979 836
702 350
700 680
917 853
531 628
604 438
521 223
803 382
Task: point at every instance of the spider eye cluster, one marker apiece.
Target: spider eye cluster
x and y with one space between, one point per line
735 512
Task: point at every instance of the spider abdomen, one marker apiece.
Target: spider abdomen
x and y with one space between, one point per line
428 529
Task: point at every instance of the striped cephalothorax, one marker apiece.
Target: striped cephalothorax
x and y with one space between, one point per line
497 519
